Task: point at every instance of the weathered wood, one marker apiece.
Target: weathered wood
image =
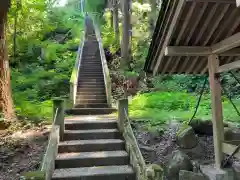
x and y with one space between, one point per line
48 164
217 117
187 51
170 33
238 3
59 108
227 44
229 149
196 51
230 66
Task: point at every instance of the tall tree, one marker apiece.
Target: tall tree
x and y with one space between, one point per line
6 103
126 34
115 20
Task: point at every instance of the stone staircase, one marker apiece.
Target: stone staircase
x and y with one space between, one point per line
92 150
91 93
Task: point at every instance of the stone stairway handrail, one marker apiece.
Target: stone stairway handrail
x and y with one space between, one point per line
106 73
143 171
75 72
48 164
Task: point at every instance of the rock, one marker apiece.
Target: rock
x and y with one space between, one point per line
216 174
186 137
188 175
232 134
146 148
179 161
236 170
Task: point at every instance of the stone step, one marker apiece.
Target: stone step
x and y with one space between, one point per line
90 74
102 85
91 101
95 173
91 134
99 69
91 60
91 145
93 105
90 111
92 66
88 159
90 96
82 93
91 89
91 71
90 124
93 82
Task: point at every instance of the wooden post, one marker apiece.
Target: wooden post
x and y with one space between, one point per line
122 106
216 101
238 3
60 104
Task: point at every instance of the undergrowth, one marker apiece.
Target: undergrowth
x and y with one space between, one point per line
157 108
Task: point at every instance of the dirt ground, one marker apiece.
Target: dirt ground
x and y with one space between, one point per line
21 151
158 147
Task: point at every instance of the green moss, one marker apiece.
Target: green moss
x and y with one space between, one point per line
34 175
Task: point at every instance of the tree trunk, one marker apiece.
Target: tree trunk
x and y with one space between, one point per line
125 34
115 21
152 16
6 103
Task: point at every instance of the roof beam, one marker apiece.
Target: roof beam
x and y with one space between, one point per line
227 44
215 1
230 66
196 51
187 51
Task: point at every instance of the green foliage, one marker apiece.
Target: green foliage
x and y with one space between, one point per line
42 68
159 107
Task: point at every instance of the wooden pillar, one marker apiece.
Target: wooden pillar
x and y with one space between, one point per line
60 105
122 108
238 3
216 104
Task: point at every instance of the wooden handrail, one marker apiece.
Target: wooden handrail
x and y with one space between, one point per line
143 171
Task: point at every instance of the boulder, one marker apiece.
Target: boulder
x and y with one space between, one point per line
232 134
188 175
179 161
186 137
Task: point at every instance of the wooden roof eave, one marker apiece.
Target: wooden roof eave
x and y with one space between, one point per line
221 48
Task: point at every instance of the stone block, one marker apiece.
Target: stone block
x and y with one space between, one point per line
236 171
216 174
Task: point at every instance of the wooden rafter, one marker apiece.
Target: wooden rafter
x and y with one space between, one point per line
227 44
230 66
171 29
196 51
214 1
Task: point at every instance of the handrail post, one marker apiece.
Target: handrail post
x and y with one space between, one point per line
59 104
122 109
